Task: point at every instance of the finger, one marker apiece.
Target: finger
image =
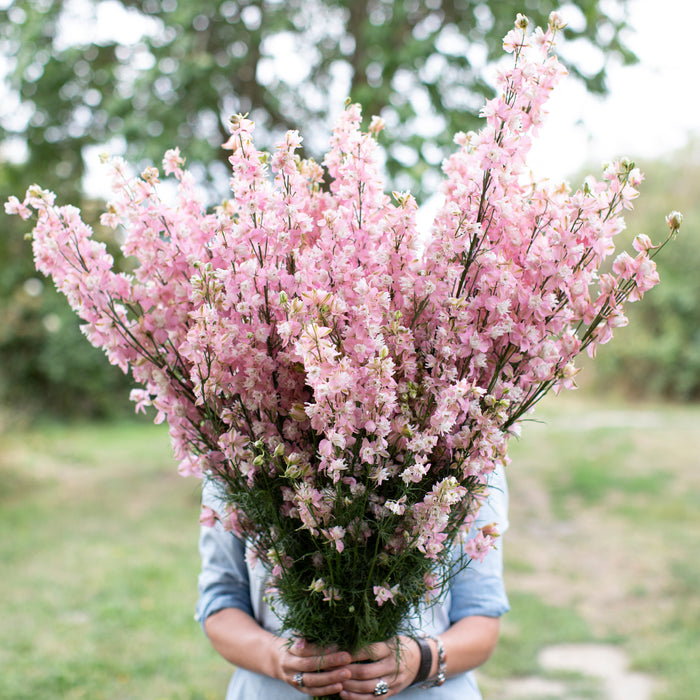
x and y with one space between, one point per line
326 690
365 677
373 652
372 671
313 664
301 647
324 683
305 657
321 690
364 690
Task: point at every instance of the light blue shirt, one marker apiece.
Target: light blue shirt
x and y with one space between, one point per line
228 581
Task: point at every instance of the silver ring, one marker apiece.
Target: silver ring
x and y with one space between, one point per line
299 680
381 688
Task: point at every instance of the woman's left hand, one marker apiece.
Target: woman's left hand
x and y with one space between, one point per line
392 664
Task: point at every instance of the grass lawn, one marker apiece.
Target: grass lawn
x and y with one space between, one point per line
99 556
604 543
99 568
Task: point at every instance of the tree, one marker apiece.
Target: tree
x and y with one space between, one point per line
421 65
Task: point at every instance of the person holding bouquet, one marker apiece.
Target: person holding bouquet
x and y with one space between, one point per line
349 391
446 639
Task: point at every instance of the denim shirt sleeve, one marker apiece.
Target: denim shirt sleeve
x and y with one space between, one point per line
223 580
478 588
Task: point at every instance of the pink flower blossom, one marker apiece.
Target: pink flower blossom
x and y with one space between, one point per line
478 547
335 535
14 206
208 517
173 162
382 594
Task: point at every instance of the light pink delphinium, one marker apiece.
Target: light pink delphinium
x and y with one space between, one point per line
295 339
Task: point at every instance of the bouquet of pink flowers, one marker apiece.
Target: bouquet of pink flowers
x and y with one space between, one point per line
350 392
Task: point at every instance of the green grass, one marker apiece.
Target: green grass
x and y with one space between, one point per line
531 625
99 555
604 542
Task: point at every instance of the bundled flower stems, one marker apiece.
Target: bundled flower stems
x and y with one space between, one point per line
348 391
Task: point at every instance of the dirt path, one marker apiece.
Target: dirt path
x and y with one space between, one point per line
604 662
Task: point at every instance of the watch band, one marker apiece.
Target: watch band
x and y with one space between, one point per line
426 660
442 665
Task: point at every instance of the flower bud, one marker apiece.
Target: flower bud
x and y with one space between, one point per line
555 21
521 21
674 220
376 125
297 305
293 471
150 175
297 412
642 243
490 530
317 585
279 451
237 119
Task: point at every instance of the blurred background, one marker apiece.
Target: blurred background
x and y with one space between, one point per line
99 533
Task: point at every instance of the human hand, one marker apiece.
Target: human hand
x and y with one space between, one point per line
395 662
310 669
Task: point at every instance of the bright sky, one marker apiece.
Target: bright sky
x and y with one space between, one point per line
651 109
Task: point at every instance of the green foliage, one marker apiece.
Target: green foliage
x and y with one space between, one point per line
47 364
659 353
421 65
621 562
